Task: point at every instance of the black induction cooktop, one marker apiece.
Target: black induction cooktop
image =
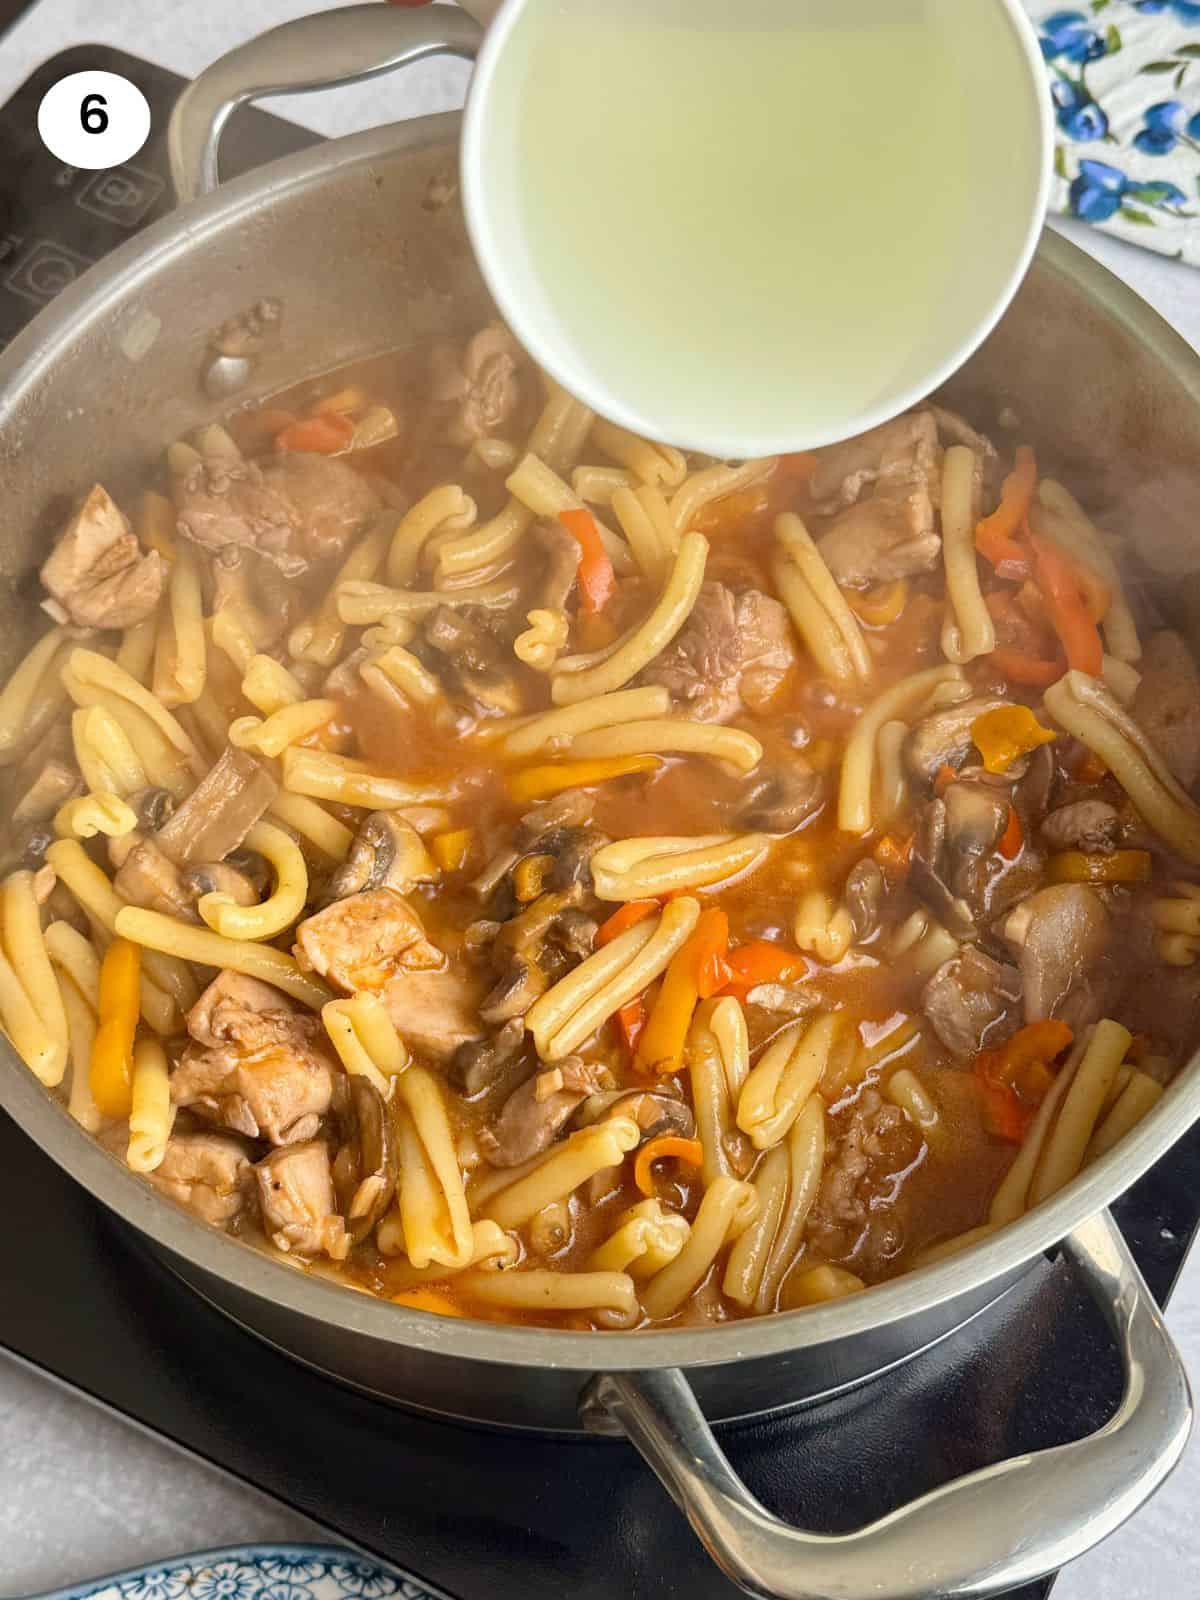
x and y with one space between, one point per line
475 1512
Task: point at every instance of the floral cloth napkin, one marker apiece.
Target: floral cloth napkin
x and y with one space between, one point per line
1125 81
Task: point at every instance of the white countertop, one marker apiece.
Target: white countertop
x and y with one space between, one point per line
83 1493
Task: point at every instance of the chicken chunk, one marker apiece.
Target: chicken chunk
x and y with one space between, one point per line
732 654
887 533
296 510
1167 704
1061 935
208 1173
252 1064
875 1144
972 1001
1089 825
97 573
295 1191
363 940
435 1013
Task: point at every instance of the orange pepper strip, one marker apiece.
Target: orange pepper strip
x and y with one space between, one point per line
996 535
597 581
631 1020
110 1071
1066 600
322 435
731 510
1012 838
1015 1078
660 1049
946 775
1090 769
711 942
660 1149
625 917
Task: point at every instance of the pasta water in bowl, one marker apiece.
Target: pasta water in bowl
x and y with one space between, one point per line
659 191
532 873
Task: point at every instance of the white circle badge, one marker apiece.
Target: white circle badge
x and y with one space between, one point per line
94 119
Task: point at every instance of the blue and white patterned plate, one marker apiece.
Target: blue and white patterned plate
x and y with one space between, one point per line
256 1572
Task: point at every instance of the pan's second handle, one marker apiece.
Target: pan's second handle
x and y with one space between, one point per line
316 52
992 1530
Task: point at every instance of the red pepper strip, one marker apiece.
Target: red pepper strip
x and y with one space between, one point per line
631 1019
1012 838
630 913
894 856
761 961
996 535
1067 602
1003 1113
323 435
1027 670
597 581
945 777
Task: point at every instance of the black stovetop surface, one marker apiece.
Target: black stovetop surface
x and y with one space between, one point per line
468 1510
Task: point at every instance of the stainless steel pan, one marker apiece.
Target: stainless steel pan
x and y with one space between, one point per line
356 241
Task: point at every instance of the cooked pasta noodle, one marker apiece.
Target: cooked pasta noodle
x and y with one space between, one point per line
749 1255
24 699
891 784
313 823
106 760
281 908
1086 709
672 736
404 674
906 1090
728 1207
81 1031
945 1248
584 1000
834 636
858 762
540 489
645 1239
76 959
544 640
1177 921
821 927
88 670
362 603
713 483
282 728
597 485
712 1102
1120 679
42 1054
366 1040
1011 1198
181 634
152 1114
432 1203
806 1160
446 505
95 813
650 553
782 1080
1062 1153
652 463
643 869
183 940
135 654
322 776
652 634
968 630
610 1295
269 686
567 724
824 1282
25 947
1140 1095
492 1250
586 1152
491 542
320 638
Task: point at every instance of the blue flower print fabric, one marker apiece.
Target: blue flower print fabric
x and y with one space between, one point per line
1124 80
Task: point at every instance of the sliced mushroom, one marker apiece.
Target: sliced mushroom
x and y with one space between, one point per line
364 1169
387 853
520 983
154 808
925 875
536 1113
1089 825
1061 933
243 878
654 1111
971 1002
481 1066
571 809
473 657
863 896
149 877
784 800
55 784
943 738
976 817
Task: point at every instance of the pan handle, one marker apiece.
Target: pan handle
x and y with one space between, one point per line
315 52
992 1530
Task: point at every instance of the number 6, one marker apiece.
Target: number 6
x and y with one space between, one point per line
92 113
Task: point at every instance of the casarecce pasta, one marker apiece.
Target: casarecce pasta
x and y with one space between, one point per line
531 872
